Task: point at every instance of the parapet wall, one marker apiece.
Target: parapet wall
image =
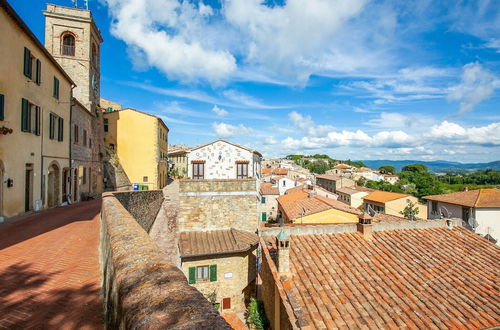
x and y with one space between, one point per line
218 204
140 288
142 205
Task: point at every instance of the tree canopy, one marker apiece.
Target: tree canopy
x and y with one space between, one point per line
388 169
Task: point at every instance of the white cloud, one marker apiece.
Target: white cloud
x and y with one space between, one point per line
224 130
477 85
494 43
219 111
399 120
269 140
306 124
452 133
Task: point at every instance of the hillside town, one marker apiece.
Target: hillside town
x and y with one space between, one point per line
107 222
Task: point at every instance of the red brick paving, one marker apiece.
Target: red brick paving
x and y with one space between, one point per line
49 270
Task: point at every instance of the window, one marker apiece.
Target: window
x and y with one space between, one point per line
284 183
28 63
106 124
84 138
198 171
68 46
60 129
2 104
30 117
226 303
434 207
38 72
56 88
144 179
241 170
264 216
52 126
263 200
84 176
94 55
75 134
90 143
202 274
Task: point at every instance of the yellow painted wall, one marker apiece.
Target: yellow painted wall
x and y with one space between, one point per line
328 216
139 140
21 148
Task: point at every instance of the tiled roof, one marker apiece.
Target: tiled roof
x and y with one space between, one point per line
434 278
342 166
354 190
300 204
200 243
267 188
380 196
472 198
293 190
280 171
266 171
331 177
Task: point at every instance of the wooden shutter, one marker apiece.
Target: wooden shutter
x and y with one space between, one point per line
60 129
213 273
25 115
51 126
27 62
38 73
263 200
226 303
37 120
2 105
56 88
192 275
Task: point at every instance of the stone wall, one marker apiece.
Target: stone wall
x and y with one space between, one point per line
218 204
141 289
142 205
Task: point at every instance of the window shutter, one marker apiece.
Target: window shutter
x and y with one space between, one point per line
38 73
213 273
192 275
37 120
60 129
56 88
263 200
27 62
51 126
2 104
24 115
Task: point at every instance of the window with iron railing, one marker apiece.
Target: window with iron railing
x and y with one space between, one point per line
68 46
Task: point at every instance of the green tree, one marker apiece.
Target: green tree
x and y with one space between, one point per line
410 212
414 168
388 169
319 167
256 314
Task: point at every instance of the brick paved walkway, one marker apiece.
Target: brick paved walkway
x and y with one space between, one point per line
49 270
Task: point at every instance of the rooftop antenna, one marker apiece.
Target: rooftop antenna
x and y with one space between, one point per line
371 211
444 213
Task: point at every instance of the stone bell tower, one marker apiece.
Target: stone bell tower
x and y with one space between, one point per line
72 37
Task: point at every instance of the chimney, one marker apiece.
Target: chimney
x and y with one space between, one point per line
311 193
365 226
466 188
283 255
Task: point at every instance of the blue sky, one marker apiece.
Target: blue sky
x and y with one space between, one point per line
355 79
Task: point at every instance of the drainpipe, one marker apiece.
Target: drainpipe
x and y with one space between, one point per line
70 190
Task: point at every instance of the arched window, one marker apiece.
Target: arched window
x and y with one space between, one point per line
94 55
68 46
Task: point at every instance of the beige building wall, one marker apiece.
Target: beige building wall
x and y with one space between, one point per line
270 207
354 200
28 159
141 142
236 275
395 207
179 162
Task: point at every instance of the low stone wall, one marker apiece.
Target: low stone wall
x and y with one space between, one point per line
140 288
217 185
142 205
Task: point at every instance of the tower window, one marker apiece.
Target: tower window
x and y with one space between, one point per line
94 55
68 45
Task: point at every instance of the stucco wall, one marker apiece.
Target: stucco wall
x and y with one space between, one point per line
218 204
489 222
225 167
235 277
328 216
270 206
141 289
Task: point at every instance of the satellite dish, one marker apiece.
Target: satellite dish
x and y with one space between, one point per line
444 213
371 211
473 223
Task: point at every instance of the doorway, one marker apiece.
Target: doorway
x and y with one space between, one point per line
28 188
75 185
1 188
53 186
65 185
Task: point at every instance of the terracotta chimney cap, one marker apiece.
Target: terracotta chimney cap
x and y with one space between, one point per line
365 218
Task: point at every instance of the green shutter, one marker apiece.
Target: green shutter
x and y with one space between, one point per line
27 62
213 273
56 88
264 216
263 200
60 129
38 73
51 126
192 275
25 115
2 103
37 120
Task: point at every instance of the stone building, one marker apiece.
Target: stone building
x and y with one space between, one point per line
221 159
177 158
35 98
269 192
332 182
73 38
139 141
221 264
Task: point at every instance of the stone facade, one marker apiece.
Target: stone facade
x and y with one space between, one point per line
269 206
220 160
142 205
218 204
236 275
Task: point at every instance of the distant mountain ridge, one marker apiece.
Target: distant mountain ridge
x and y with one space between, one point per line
437 166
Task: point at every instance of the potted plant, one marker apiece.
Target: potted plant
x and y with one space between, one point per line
5 130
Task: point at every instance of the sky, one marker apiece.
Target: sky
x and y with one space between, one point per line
355 79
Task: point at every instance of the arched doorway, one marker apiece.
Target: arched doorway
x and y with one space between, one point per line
53 185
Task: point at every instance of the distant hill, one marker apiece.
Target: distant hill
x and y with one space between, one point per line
437 166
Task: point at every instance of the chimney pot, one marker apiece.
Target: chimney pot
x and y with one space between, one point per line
365 226
283 246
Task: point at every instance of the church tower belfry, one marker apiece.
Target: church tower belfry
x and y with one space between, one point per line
74 40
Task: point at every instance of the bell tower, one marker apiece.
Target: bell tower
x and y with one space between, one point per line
72 37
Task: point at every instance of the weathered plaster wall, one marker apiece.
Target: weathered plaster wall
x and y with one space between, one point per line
142 205
141 289
218 204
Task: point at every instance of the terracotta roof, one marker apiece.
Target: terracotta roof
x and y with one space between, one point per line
280 171
380 196
472 198
267 188
293 190
342 166
266 171
331 177
293 205
201 243
434 278
354 190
